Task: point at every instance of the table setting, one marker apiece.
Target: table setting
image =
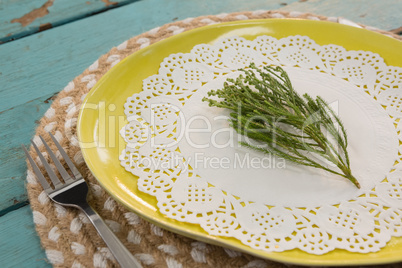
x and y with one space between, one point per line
172 183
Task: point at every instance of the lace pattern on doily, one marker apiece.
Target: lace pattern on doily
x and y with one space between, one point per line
364 223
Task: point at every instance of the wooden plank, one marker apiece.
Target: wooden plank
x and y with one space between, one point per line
22 18
20 246
385 15
17 127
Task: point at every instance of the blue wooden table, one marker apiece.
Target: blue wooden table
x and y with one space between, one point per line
44 44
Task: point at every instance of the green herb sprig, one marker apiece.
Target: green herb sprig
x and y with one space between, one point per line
301 129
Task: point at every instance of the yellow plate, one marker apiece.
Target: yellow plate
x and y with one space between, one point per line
102 116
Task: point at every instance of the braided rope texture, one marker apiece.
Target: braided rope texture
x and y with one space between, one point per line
67 236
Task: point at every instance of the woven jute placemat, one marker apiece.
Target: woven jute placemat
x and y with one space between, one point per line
67 236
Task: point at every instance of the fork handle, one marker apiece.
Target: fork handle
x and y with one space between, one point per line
119 251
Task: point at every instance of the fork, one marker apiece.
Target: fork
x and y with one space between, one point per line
73 192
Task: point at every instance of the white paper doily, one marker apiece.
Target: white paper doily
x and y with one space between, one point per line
186 155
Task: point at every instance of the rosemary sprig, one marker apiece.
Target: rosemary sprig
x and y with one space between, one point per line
300 129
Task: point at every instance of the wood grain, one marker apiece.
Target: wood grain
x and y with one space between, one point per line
36 13
17 127
25 17
384 15
20 246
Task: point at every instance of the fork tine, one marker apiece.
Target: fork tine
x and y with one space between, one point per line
39 175
63 153
50 172
63 172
